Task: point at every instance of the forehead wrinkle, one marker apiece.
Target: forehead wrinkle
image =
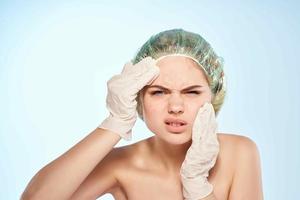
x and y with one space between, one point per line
165 88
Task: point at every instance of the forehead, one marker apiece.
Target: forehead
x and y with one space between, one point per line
178 72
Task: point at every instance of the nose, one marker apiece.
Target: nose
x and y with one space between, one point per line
175 104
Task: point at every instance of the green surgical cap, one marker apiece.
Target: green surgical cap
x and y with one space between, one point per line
194 46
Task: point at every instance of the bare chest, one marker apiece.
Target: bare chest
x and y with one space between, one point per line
145 185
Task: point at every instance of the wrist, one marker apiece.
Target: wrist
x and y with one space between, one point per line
196 187
119 126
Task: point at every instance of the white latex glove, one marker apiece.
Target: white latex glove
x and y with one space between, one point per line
201 156
121 96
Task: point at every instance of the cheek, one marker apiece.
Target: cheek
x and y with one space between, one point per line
152 109
153 113
153 118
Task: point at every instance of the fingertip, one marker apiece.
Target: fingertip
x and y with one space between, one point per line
127 66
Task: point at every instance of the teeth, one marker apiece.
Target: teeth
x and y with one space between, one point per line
175 124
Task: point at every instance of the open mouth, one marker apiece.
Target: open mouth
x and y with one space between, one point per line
176 127
175 124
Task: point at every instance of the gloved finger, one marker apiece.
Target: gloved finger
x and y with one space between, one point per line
139 68
200 122
133 72
147 78
127 67
143 66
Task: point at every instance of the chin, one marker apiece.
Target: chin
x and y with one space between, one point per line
174 138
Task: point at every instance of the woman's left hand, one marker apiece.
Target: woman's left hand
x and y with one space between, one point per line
201 156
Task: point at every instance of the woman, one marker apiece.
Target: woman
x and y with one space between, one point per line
176 84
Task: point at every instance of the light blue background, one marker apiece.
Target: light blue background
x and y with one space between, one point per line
55 60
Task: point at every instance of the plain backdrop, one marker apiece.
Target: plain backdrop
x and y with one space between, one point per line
56 57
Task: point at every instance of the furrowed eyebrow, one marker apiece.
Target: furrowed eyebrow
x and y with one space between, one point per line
164 88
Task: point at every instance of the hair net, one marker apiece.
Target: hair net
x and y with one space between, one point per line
192 45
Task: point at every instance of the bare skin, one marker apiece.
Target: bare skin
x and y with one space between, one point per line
146 173
139 173
149 169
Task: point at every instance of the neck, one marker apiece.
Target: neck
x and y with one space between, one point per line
170 156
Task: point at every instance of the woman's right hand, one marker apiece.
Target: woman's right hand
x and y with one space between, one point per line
122 92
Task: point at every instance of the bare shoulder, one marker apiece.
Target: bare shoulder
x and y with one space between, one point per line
132 155
236 148
243 146
232 149
246 181
236 142
232 146
124 159
230 137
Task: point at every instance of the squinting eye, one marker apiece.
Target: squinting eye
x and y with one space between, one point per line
156 92
161 92
194 92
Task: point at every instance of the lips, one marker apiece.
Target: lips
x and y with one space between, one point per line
172 121
175 125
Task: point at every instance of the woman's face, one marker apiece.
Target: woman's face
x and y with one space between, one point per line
167 98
